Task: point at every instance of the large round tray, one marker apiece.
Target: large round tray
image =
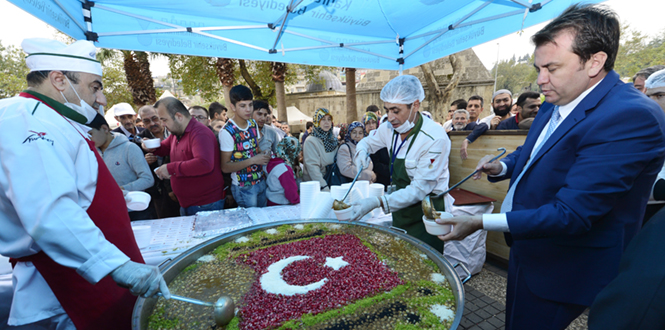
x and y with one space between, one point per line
144 306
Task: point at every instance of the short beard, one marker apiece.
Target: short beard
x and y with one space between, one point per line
503 112
459 127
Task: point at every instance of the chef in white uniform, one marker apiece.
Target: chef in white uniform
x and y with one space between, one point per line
50 199
418 149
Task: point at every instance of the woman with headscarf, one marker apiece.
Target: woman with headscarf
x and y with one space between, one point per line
355 133
320 148
380 159
283 170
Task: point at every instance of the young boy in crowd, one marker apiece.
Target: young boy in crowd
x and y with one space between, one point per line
239 143
282 180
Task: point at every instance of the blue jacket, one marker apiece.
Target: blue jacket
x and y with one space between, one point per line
582 200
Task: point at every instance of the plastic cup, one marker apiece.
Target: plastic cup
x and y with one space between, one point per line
152 143
436 229
138 200
344 215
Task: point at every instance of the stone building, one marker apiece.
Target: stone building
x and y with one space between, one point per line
476 79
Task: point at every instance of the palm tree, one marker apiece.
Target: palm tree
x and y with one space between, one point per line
139 77
278 75
225 71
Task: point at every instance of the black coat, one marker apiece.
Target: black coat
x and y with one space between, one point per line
635 299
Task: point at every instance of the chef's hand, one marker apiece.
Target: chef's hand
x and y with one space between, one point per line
141 280
150 158
493 168
361 160
462 226
364 206
162 172
462 150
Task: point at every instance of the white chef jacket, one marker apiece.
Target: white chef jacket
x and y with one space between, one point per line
426 163
47 182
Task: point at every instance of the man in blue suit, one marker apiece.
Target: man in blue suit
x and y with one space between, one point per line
581 181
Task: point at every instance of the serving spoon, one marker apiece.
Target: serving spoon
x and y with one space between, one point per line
428 208
340 205
224 307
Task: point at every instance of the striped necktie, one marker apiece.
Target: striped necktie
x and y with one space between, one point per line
507 204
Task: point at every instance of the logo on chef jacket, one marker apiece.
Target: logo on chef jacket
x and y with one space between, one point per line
311 276
37 136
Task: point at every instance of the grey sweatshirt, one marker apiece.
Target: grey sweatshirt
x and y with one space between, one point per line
127 164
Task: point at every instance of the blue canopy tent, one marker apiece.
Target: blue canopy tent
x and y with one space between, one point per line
371 34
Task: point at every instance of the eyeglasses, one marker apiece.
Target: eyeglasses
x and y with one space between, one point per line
200 117
147 121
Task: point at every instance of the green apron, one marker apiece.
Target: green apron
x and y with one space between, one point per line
411 218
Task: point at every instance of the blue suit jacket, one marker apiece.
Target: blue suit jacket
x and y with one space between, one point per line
582 200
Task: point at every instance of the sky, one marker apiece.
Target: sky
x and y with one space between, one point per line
642 15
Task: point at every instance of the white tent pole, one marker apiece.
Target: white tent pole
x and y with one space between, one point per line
281 27
525 4
281 18
335 44
120 33
70 16
230 40
368 52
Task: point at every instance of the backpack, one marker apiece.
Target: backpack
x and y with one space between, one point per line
333 176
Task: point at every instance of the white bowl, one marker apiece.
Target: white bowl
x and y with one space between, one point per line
138 200
142 235
152 143
344 215
434 228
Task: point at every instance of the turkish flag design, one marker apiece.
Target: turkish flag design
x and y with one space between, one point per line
329 272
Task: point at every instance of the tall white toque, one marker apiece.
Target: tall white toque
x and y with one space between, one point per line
49 55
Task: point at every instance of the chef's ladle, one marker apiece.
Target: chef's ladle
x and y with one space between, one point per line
340 205
224 307
428 208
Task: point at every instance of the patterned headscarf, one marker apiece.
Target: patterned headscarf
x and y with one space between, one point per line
329 141
288 149
370 116
319 114
353 125
342 131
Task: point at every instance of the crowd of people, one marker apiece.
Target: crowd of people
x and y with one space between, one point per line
579 185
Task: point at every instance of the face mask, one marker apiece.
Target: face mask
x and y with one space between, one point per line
84 108
407 125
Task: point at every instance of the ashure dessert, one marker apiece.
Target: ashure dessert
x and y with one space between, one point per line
313 276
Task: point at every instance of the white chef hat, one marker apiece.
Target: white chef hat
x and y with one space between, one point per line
122 109
49 55
404 89
656 79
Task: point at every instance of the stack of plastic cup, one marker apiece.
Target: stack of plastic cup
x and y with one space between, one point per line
323 208
308 194
363 187
376 190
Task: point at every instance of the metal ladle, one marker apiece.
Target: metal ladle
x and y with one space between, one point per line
224 307
340 205
428 208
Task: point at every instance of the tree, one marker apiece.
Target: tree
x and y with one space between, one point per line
352 113
438 98
116 88
12 71
636 52
139 77
279 71
516 76
225 68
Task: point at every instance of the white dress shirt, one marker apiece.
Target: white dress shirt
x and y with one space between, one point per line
499 221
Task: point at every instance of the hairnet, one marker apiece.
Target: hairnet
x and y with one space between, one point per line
657 79
404 89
